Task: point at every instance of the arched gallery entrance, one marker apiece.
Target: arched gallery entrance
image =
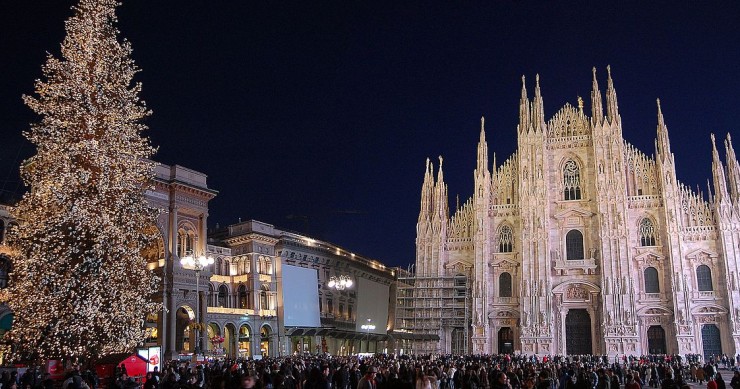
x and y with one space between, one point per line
230 341
265 334
578 332
245 341
184 333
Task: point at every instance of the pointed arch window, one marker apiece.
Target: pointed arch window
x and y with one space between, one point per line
651 280
504 285
647 232
571 181
505 239
704 278
574 245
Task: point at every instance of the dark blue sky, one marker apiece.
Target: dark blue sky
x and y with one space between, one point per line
318 118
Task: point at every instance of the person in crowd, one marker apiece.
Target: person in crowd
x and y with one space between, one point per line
699 375
720 381
368 380
630 383
502 381
735 382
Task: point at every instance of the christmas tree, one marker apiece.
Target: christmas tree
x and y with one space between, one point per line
80 286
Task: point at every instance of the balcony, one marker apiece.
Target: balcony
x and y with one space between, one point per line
231 311
506 300
563 266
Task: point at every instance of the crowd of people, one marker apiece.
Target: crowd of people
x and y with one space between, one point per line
412 372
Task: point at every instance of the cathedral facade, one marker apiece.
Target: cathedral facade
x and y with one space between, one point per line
579 243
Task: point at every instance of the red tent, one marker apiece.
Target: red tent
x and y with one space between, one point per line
135 365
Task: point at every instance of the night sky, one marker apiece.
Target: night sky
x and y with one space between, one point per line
318 116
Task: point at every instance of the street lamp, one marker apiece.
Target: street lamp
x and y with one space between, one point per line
197 264
339 283
368 327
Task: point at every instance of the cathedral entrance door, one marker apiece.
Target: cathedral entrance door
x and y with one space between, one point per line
578 332
711 341
656 340
505 341
458 341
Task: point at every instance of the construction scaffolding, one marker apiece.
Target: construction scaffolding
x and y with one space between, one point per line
438 309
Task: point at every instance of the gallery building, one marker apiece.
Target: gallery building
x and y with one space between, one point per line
578 243
269 292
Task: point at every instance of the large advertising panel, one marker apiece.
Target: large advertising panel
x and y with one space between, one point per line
372 306
300 296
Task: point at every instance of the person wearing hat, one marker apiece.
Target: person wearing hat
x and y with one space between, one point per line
368 380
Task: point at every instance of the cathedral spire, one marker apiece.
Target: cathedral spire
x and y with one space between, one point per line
718 173
612 109
482 166
663 145
426 193
733 169
538 112
597 111
524 109
440 195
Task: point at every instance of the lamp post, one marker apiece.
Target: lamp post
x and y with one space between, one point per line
197 264
368 327
340 283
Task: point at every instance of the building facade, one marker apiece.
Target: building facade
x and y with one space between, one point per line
578 243
248 294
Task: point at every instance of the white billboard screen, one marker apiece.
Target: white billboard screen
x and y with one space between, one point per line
372 306
300 296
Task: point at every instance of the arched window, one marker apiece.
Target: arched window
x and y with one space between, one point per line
349 312
571 181
264 297
268 265
330 306
574 245
704 278
243 299
651 280
505 239
217 268
223 292
647 232
504 285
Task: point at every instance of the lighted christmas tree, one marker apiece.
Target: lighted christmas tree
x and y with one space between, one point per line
80 286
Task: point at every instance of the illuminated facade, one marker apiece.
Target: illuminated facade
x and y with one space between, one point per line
247 289
577 244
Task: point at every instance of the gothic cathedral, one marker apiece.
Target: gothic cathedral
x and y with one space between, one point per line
579 243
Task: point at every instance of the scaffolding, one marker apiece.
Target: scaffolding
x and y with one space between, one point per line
435 306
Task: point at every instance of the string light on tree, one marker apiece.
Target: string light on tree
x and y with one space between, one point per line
80 286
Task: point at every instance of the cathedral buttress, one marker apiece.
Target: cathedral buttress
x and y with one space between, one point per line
673 246
728 227
482 246
619 324
535 306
